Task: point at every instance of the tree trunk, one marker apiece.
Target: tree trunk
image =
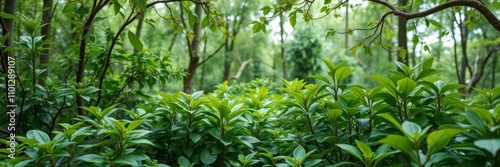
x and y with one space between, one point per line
81 55
282 40
402 36
8 28
493 71
194 55
202 78
44 57
227 62
138 30
464 66
439 47
455 52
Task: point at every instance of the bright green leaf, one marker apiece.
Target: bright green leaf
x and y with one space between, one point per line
351 150
440 138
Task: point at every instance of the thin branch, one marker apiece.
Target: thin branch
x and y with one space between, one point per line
167 1
240 71
487 13
128 21
212 55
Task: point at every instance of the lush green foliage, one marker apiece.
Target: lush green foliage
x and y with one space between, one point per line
411 118
103 96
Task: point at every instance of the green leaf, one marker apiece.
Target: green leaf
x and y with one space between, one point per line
440 138
491 145
342 73
344 163
184 162
402 53
427 64
249 140
265 9
207 158
135 41
293 19
7 16
70 7
195 137
193 19
140 142
365 149
334 113
327 1
399 142
127 160
116 7
496 4
134 125
141 4
426 48
40 136
391 119
448 87
299 152
94 158
411 129
477 122
388 33
382 153
256 26
407 85
435 23
351 150
60 153
386 82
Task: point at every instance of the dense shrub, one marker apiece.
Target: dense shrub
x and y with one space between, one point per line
411 118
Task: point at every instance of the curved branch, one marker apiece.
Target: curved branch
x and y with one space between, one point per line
487 13
211 55
127 22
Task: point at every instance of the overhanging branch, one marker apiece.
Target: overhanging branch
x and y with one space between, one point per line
487 13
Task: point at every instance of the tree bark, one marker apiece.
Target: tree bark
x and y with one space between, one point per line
282 40
138 31
83 45
493 71
7 28
227 57
194 56
402 36
46 29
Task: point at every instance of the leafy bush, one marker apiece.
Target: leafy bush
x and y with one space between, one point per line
410 119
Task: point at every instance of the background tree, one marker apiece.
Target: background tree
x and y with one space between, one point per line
304 54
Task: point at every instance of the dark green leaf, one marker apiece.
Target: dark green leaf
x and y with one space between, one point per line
184 162
135 41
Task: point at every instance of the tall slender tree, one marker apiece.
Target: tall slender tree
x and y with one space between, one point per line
46 33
